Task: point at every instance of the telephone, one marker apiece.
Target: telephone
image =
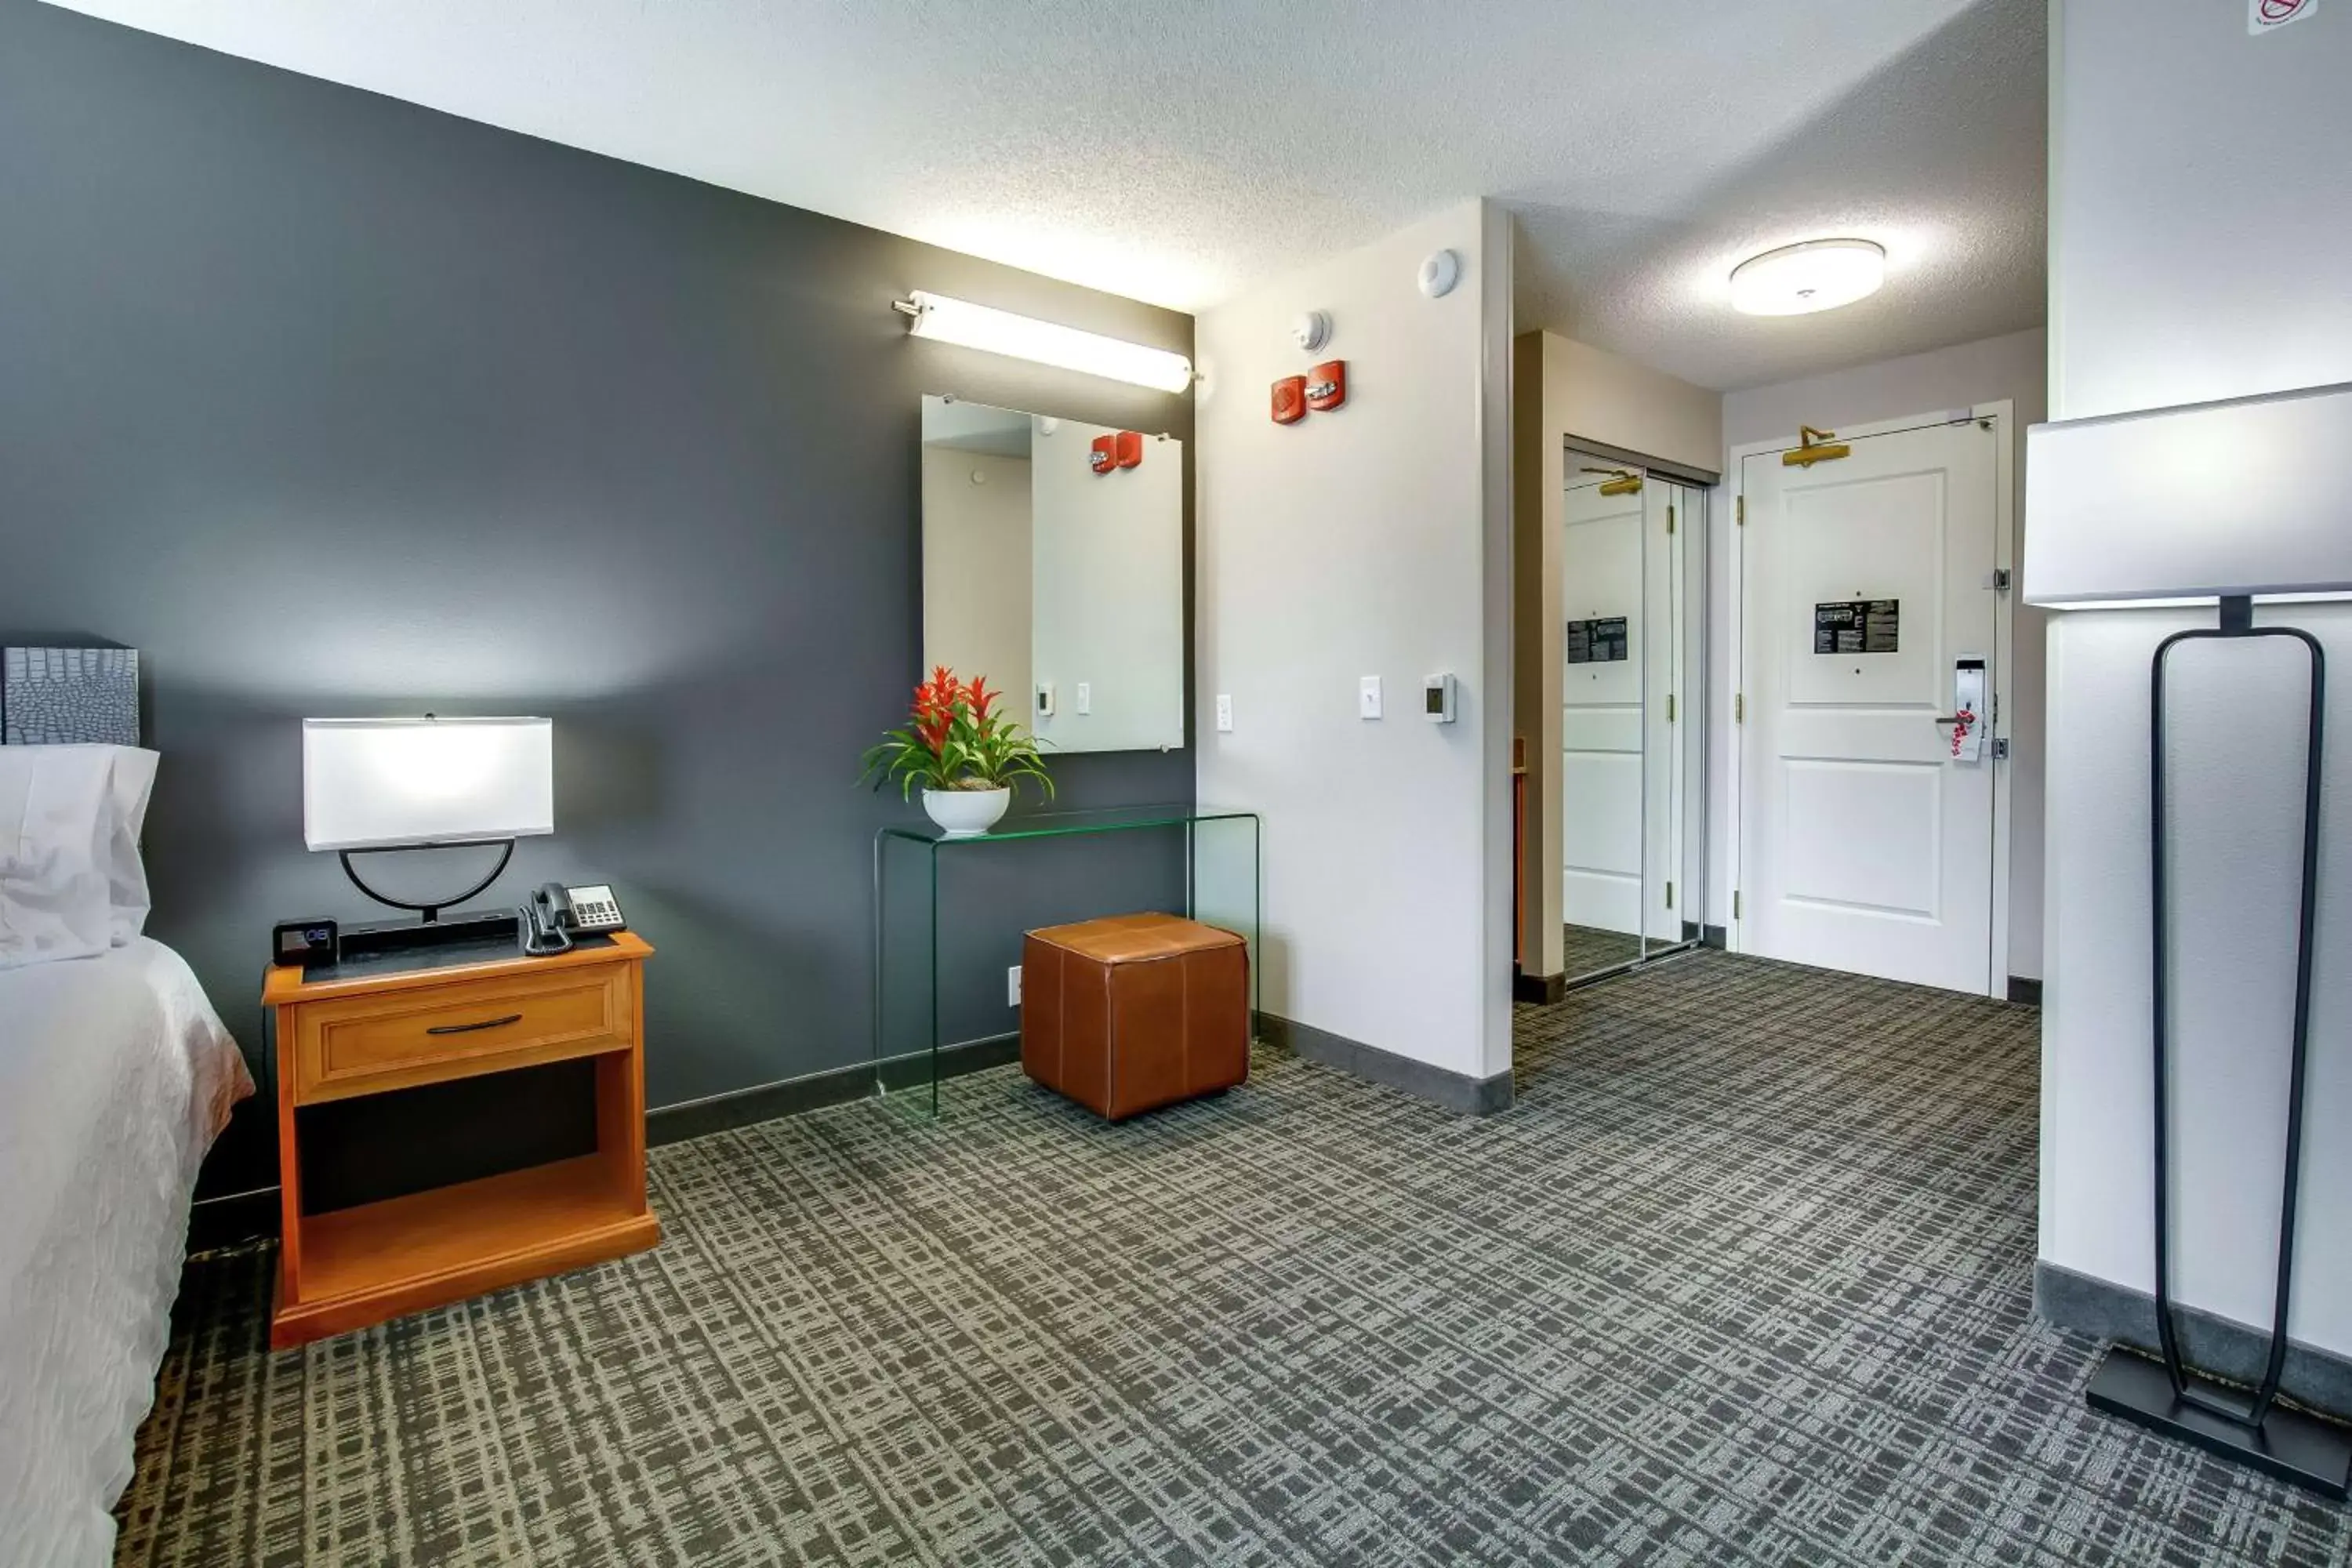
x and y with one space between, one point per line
555 911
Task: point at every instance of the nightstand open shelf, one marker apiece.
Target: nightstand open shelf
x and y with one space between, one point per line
341 1037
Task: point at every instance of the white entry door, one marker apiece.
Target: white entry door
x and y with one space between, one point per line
1866 586
1600 700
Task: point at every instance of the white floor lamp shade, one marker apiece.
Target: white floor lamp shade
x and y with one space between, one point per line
381 783
2208 500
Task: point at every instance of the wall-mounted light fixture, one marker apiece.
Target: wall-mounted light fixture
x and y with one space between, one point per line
1045 342
1816 275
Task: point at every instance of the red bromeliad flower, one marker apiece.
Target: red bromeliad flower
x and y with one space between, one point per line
958 737
935 706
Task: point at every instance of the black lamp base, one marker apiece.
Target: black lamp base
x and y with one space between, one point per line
464 928
2289 1445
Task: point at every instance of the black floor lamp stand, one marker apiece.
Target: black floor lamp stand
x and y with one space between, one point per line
2248 1428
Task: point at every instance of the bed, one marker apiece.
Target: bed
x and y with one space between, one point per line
116 1075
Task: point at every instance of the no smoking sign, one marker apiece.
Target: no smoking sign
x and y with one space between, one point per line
2262 16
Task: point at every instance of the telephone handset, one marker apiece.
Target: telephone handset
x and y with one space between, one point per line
555 911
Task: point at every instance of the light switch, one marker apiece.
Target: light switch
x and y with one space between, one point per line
1368 698
1085 697
1225 710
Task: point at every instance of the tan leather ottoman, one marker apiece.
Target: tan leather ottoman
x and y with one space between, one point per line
1136 1011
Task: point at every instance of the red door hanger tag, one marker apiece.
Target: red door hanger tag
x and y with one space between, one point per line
1103 456
1129 448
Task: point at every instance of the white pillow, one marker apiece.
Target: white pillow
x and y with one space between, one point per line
130 783
117 847
57 810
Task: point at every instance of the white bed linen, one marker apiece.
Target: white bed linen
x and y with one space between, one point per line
115 1077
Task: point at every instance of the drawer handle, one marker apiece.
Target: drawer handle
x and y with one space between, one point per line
469 1028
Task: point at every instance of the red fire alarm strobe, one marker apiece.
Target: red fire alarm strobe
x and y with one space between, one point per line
1129 448
1290 400
1327 385
1103 457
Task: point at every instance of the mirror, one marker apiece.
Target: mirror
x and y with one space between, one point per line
1627 732
1053 565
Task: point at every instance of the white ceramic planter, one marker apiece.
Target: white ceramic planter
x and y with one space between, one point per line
966 813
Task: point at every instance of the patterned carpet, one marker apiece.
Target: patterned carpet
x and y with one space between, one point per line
1743 1277
1584 949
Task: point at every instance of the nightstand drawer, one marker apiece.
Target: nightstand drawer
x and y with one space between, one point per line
364 1045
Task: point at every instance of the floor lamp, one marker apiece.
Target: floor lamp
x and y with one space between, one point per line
2222 504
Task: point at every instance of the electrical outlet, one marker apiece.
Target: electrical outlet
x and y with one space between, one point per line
1368 698
1086 696
1225 710
1013 986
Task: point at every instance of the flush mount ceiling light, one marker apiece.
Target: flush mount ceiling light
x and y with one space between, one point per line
1817 274
1045 342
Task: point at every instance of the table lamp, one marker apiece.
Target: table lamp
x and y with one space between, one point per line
2217 504
395 784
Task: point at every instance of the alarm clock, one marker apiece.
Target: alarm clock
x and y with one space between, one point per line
308 944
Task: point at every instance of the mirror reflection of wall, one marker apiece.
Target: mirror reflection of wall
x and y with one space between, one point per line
1626 769
1060 582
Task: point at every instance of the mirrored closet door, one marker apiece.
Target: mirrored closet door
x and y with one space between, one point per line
1630 763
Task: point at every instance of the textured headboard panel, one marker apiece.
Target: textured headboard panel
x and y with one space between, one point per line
68 696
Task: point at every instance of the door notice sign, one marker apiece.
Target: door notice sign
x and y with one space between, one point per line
1596 642
1858 625
2262 16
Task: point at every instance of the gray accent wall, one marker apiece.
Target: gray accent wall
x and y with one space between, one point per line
332 405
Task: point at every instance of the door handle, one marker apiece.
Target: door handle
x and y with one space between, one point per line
469 1028
1949 718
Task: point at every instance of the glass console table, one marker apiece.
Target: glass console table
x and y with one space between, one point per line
1220 854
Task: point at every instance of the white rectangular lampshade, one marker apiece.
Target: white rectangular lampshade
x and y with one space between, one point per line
378 783
2251 496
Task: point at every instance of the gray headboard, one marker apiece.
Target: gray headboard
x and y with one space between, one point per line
68 696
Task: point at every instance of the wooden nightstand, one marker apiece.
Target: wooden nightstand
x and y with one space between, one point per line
371 1030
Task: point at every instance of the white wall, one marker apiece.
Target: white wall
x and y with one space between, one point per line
1108 552
1370 541
2200 213
976 567
1604 398
2012 367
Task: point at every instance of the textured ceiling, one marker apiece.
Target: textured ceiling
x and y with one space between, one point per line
1176 152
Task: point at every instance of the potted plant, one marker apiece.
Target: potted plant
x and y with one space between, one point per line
965 753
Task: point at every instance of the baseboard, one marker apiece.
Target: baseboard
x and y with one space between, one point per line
2025 992
1455 1092
812 1091
1716 937
1542 989
2317 1378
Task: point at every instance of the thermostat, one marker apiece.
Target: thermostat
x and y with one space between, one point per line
1437 700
